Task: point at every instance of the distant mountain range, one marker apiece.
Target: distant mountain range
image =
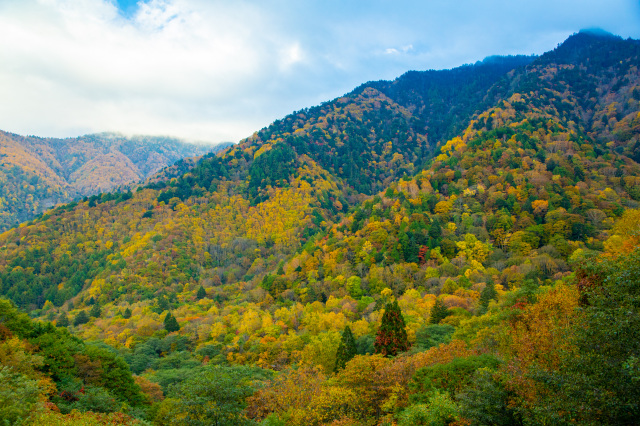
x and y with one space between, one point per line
38 173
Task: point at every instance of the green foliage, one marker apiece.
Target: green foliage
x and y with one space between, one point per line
353 287
432 335
170 323
81 318
95 311
438 312
215 396
205 175
450 377
17 322
18 396
172 376
201 294
73 365
439 410
346 350
62 320
75 396
273 168
170 352
391 338
113 374
486 401
58 350
365 344
600 385
488 294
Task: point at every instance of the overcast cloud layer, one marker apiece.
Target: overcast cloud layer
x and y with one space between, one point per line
219 70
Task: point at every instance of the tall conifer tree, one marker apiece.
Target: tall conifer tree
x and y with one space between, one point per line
346 350
202 293
170 323
391 338
438 312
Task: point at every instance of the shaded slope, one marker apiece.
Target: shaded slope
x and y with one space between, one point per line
384 130
446 100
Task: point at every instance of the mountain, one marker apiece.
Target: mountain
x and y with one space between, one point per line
38 173
384 130
497 203
528 182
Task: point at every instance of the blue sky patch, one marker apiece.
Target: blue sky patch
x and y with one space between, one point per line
127 7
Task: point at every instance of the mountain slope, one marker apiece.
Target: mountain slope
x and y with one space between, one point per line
532 179
384 130
529 181
38 173
263 254
363 139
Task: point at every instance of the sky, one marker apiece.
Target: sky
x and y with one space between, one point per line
213 71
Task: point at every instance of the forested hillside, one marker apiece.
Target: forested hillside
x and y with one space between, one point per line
385 130
454 247
38 173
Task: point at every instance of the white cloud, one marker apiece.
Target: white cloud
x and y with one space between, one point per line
218 70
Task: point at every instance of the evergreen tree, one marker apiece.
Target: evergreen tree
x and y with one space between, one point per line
391 338
170 323
81 318
346 350
435 231
438 312
201 294
126 314
162 304
63 320
95 311
489 293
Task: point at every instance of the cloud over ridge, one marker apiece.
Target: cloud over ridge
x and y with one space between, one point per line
214 70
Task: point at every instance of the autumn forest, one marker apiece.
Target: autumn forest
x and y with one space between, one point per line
455 247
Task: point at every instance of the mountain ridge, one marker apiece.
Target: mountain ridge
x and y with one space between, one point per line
59 170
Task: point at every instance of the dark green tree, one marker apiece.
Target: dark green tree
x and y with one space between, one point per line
81 318
488 294
486 401
438 312
126 314
215 396
170 323
391 338
162 304
95 311
63 320
435 231
201 294
346 350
